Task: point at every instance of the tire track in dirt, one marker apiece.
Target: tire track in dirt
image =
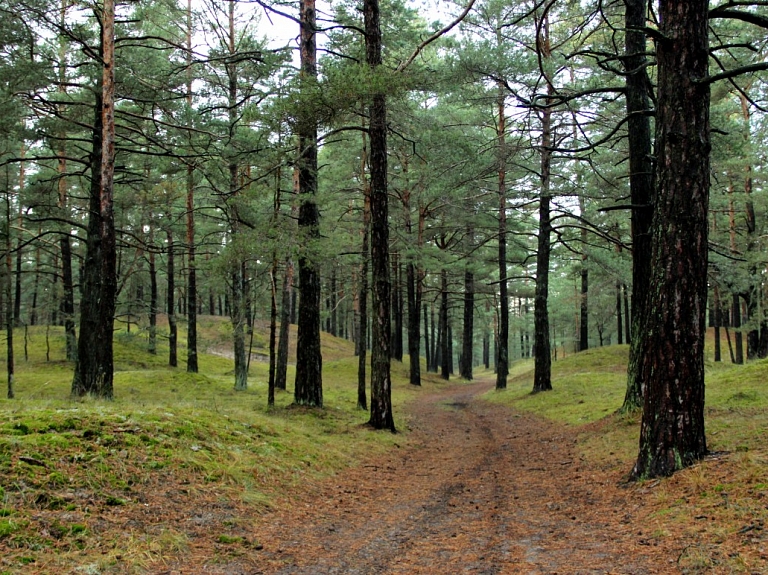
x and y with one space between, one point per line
483 490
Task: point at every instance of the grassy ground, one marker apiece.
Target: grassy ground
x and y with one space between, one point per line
719 507
63 463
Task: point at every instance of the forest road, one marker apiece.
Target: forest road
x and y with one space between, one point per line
482 489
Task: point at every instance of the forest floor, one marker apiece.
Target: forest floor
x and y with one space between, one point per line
479 488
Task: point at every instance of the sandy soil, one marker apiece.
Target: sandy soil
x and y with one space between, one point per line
481 489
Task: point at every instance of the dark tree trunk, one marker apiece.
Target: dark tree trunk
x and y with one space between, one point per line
9 317
716 306
435 339
736 323
68 298
627 317
334 316
272 334
438 346
414 336
281 372
308 387
467 341
584 301
641 186
381 385
445 367
584 307
238 329
673 327
171 305
502 341
191 277
190 205
93 372
542 374
362 356
152 345
619 326
397 310
427 346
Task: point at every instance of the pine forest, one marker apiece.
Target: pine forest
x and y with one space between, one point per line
381 286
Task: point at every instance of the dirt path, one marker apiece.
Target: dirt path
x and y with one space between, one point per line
484 490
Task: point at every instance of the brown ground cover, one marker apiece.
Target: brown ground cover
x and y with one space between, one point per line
475 487
480 489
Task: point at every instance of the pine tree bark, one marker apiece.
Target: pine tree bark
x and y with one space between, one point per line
502 341
9 315
238 328
170 305
445 368
542 374
641 186
673 330
381 384
272 334
397 309
427 346
281 371
619 323
308 386
467 340
152 344
362 350
93 372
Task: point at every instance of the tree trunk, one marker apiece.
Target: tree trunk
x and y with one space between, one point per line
445 368
627 317
673 330
736 323
16 308
171 304
467 341
619 326
362 356
9 311
427 346
381 385
502 342
272 334
718 315
238 328
641 185
192 366
334 316
542 374
584 306
397 310
584 300
93 372
281 372
152 346
308 387
414 335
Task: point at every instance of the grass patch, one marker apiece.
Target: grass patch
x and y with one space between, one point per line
167 435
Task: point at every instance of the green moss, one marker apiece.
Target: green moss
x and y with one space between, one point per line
9 527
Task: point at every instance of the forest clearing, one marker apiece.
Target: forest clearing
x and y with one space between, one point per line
181 474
